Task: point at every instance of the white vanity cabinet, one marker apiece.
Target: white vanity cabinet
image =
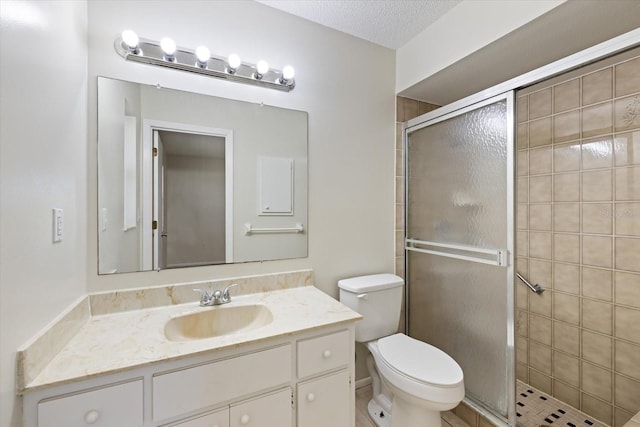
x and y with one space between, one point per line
303 379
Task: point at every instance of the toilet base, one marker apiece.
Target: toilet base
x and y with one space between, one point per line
408 413
379 416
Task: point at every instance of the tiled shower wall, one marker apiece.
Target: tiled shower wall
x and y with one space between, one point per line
578 235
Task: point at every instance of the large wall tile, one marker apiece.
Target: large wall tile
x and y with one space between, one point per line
540 104
597 348
627 148
628 359
597 283
627 321
597 316
628 254
628 77
597 86
566 96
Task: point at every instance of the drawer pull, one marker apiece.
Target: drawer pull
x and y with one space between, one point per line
92 416
326 354
311 397
244 420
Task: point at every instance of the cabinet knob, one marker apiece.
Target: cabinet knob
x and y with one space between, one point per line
311 397
326 354
91 416
244 420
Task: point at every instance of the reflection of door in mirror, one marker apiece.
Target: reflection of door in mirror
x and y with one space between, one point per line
190 224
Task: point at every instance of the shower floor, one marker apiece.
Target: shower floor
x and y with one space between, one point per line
535 408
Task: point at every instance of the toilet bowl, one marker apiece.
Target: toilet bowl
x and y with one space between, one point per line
421 378
412 380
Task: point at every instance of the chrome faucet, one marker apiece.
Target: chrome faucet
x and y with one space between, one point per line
216 297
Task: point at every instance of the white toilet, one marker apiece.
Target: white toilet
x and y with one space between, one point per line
418 380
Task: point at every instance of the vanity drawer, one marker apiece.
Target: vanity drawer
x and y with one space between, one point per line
213 419
117 405
321 354
194 388
272 410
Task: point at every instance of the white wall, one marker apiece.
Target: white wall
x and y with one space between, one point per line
43 110
465 29
345 84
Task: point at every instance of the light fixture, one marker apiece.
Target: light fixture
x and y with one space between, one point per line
287 75
234 62
168 46
262 68
202 55
130 39
200 61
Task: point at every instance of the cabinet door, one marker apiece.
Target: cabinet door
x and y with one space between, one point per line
325 401
118 405
216 419
272 410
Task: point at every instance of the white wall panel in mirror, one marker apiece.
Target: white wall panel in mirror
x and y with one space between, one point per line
183 198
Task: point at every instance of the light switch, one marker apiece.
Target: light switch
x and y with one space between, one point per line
58 225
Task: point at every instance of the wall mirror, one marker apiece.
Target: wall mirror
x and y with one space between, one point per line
187 180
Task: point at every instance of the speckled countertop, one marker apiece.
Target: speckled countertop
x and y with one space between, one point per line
110 343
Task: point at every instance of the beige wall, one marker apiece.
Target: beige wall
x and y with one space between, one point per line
43 145
578 235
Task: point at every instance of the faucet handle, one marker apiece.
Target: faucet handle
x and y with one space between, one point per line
204 296
225 294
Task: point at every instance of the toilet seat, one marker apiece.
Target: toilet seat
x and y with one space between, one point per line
420 361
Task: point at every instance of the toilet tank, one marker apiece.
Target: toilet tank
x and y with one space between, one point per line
378 298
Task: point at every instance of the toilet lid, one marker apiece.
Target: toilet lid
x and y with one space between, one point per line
420 360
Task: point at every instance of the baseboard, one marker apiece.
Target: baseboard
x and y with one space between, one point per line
363 382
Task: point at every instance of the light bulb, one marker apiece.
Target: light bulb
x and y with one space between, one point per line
168 46
234 61
288 72
202 54
130 39
262 67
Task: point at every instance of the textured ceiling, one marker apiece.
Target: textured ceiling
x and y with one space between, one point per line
390 23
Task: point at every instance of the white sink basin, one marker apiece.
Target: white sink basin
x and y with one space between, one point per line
217 321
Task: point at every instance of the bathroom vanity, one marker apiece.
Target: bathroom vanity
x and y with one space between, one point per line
294 367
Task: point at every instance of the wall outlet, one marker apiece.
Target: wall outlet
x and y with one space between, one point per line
58 225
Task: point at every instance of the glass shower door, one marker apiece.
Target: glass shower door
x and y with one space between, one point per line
459 245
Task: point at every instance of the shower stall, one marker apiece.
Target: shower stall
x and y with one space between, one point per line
522 235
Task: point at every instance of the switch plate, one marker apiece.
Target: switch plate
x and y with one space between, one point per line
58 225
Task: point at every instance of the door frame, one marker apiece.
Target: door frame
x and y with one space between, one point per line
148 213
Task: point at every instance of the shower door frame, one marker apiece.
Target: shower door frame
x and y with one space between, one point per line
600 51
509 260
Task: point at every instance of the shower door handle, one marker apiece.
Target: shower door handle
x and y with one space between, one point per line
496 257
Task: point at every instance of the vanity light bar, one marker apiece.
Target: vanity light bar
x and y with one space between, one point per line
166 54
